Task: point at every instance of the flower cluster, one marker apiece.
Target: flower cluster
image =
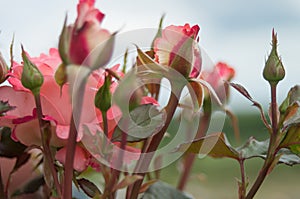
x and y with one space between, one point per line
70 118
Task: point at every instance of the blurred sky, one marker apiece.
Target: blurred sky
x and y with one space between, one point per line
235 31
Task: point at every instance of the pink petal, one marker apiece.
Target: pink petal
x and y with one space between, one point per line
80 160
56 102
149 100
23 101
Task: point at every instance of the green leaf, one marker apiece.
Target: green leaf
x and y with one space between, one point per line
213 145
88 187
8 147
31 187
143 121
253 148
288 157
5 107
292 139
290 108
161 190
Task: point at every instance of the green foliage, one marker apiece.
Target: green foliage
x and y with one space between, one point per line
161 190
143 121
32 78
5 107
217 146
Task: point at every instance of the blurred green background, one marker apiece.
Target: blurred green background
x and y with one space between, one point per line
216 178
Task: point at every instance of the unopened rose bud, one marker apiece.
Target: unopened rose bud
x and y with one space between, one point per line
85 42
177 48
274 70
61 75
32 78
103 96
3 69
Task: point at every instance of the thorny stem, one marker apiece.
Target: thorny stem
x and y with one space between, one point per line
190 158
242 187
116 172
144 161
45 136
272 146
77 100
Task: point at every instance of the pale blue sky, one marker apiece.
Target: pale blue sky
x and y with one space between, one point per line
235 31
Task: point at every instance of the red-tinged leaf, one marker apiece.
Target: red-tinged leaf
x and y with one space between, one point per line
291 115
242 90
88 187
213 145
128 180
196 88
213 95
146 185
146 63
292 139
245 93
292 99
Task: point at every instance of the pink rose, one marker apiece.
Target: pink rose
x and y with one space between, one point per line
56 107
85 42
217 77
56 103
178 48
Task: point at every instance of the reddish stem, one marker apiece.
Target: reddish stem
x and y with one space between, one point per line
77 99
145 161
272 146
45 136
